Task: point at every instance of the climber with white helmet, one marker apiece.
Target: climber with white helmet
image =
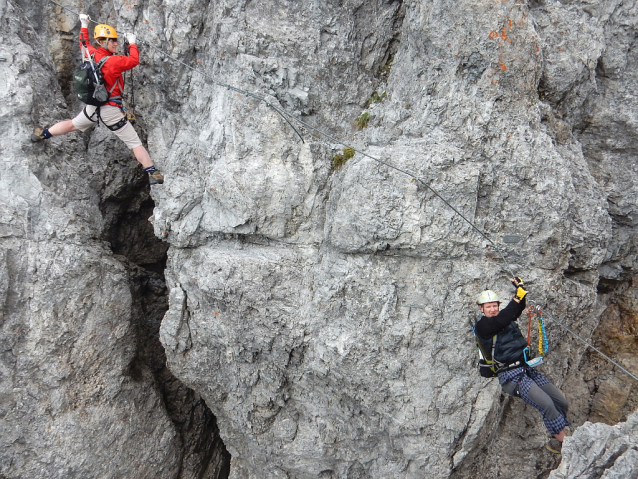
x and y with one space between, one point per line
110 113
503 346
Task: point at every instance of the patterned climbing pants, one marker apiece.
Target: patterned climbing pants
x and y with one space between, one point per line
536 390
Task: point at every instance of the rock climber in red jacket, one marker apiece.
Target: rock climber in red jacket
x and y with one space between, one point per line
111 113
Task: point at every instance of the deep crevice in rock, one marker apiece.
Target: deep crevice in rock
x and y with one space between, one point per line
126 212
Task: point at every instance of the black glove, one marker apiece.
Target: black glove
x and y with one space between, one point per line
520 291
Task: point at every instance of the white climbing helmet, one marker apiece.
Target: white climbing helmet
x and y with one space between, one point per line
487 296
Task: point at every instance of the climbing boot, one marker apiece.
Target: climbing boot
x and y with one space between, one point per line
555 446
38 135
155 178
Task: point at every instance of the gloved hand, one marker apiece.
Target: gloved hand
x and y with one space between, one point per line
131 38
84 20
520 291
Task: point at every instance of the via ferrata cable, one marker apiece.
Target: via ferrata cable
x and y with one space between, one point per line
287 116
436 193
590 345
224 85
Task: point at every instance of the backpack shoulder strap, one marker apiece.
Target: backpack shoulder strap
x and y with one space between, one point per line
100 64
115 84
102 61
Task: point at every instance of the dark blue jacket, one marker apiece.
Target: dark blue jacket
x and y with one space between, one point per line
510 343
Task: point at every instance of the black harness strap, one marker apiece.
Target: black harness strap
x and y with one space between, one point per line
118 125
92 115
123 121
114 127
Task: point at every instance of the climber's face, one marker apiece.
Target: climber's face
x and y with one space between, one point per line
112 46
489 309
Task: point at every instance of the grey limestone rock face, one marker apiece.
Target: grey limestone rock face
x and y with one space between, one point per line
74 399
290 278
320 311
600 450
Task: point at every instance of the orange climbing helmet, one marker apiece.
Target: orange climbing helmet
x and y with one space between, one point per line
104 31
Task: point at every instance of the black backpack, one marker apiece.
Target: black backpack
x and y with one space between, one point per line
89 83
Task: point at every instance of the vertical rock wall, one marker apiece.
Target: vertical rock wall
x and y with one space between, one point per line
81 390
289 278
600 450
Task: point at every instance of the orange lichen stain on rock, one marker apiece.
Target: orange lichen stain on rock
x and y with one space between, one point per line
493 34
503 66
505 29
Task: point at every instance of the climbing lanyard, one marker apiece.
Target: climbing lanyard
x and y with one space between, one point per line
573 333
536 312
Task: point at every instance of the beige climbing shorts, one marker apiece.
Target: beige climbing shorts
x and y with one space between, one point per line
110 116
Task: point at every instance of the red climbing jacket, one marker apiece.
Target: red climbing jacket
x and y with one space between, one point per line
113 68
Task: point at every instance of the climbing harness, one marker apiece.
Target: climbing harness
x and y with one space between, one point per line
289 118
536 312
116 126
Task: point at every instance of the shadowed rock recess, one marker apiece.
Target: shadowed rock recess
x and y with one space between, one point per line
277 273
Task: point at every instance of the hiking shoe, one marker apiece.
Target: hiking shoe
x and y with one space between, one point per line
555 446
155 178
37 135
